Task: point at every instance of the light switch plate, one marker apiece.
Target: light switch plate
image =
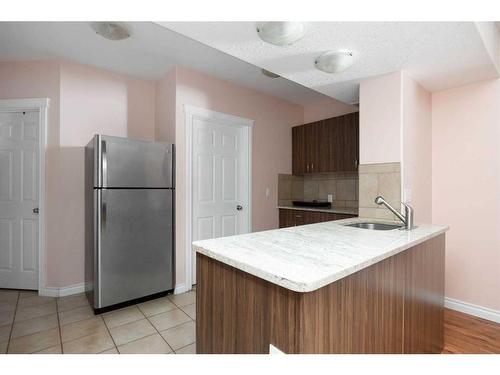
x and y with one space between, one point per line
330 198
268 193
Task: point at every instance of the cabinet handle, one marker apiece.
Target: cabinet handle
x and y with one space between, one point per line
312 167
298 216
307 168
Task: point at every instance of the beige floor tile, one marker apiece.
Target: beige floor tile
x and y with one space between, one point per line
34 301
5 332
153 344
75 315
30 326
122 316
56 349
110 351
180 336
190 349
82 328
8 306
8 295
72 302
3 347
35 311
190 310
169 319
27 293
183 299
35 342
95 343
131 331
6 317
156 306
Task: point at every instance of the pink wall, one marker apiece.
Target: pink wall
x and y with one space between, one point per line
466 189
272 121
91 101
99 101
165 107
416 158
34 79
326 108
84 101
395 126
380 119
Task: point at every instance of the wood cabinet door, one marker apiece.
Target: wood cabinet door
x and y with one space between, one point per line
313 136
330 145
291 218
323 159
285 218
343 139
299 150
349 141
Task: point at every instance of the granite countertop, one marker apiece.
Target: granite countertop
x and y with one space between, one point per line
308 257
330 210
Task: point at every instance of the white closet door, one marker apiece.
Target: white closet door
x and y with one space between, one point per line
220 181
19 158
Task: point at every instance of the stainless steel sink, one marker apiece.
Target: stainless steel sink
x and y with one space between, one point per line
375 226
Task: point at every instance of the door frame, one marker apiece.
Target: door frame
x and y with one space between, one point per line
41 105
191 113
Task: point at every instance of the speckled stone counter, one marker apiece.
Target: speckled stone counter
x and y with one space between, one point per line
306 258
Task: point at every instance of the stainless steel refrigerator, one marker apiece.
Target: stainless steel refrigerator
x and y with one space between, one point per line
129 214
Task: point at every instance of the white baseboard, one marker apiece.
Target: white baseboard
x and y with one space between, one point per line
181 288
62 291
469 308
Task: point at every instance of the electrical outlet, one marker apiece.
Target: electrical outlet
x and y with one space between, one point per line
268 193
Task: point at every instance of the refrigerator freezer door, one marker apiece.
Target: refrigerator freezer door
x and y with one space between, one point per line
135 246
126 163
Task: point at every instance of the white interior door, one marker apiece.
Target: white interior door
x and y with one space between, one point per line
220 181
19 158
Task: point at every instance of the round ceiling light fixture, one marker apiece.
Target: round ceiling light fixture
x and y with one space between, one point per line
281 33
111 30
334 61
269 74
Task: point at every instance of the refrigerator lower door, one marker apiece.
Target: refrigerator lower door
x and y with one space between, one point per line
135 246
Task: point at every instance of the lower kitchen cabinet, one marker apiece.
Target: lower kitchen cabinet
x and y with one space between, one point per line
292 218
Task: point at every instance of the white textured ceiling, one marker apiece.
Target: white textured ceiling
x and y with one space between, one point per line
149 53
439 55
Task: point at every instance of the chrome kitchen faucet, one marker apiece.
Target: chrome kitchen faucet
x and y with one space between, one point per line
407 219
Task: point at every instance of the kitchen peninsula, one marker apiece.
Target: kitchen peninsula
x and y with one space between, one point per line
322 288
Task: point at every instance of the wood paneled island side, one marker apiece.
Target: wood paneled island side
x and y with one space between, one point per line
349 290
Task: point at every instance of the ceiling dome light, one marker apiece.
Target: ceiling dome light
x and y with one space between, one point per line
281 33
334 61
269 74
111 30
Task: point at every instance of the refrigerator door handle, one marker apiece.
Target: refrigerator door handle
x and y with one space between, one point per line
104 165
104 213
97 253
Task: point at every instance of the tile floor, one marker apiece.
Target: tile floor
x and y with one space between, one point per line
33 324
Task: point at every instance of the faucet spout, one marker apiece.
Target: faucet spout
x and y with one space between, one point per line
407 219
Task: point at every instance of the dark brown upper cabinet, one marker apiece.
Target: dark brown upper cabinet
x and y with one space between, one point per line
330 145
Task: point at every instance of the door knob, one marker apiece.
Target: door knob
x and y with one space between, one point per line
239 207
35 210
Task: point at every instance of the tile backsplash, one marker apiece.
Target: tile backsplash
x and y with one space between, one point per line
379 179
342 186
